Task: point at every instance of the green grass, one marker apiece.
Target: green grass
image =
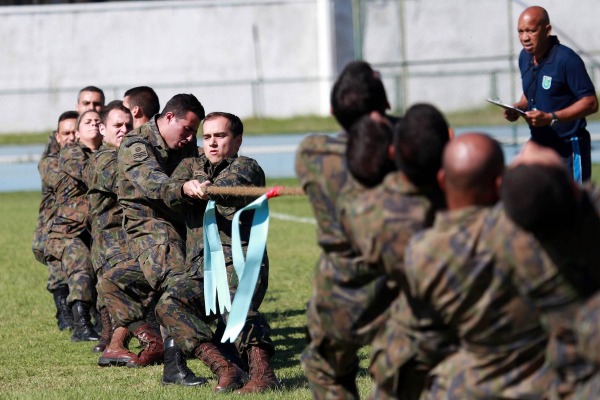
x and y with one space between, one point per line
39 362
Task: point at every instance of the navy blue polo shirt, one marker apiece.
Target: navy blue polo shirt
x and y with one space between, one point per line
558 81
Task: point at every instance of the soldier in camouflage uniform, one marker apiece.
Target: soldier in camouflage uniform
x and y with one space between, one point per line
143 103
540 196
109 246
477 278
380 221
90 98
183 305
68 237
329 361
155 234
49 172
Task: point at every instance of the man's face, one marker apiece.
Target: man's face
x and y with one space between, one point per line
179 132
66 132
218 140
89 101
533 35
117 125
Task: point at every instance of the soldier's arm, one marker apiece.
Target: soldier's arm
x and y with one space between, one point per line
173 195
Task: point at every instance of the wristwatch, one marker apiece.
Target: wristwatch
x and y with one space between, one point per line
554 118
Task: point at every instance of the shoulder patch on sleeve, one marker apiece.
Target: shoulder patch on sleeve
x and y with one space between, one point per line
137 147
139 152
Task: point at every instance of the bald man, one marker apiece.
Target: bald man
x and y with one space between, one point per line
473 281
557 93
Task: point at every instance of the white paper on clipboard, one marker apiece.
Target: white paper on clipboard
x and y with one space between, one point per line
506 106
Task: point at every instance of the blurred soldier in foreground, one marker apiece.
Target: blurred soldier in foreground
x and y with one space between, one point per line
380 222
329 361
476 280
540 196
49 173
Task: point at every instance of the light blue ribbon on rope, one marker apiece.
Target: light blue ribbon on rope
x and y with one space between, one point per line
215 273
247 268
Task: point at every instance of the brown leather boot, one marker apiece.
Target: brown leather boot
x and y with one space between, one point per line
229 376
153 351
262 376
107 328
116 353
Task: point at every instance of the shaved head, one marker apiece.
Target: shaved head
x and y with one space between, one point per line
472 166
537 14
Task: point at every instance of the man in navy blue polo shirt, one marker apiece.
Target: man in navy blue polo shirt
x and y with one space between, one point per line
557 93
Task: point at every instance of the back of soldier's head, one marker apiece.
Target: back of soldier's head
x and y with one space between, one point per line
357 91
180 104
367 152
419 141
539 198
145 98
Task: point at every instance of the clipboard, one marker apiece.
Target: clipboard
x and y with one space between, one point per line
506 106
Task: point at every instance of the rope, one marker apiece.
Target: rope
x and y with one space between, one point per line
254 191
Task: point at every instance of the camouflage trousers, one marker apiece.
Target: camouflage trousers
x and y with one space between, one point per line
125 292
57 276
74 255
348 306
181 310
101 267
396 369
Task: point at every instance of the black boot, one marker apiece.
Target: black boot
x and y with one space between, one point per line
83 329
64 315
175 369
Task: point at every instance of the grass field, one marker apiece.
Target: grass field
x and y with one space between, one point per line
39 362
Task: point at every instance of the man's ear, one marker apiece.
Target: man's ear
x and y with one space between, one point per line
101 128
441 178
450 133
391 152
136 112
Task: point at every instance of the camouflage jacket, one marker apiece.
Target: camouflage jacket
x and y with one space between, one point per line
49 173
108 235
72 204
144 164
230 172
379 222
477 277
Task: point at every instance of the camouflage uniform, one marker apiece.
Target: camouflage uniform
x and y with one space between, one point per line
68 236
329 361
379 223
109 242
49 172
578 255
154 232
183 304
474 276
